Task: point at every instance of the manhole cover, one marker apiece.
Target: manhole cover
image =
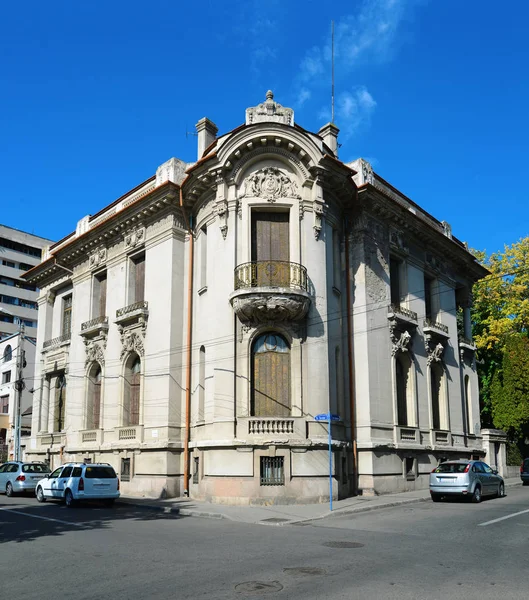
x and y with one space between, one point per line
304 571
343 545
258 587
274 520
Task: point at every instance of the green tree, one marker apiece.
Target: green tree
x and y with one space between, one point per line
500 309
510 388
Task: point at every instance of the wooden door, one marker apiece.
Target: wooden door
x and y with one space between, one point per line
271 248
271 377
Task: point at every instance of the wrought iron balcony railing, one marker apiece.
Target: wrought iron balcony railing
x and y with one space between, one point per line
400 310
93 322
429 323
57 341
271 273
122 312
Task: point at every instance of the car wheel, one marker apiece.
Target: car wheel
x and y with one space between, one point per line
501 490
109 502
9 490
525 482
40 495
436 497
69 499
476 496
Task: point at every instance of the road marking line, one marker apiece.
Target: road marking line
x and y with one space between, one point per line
503 518
18 512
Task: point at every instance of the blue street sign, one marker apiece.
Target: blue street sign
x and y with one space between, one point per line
325 417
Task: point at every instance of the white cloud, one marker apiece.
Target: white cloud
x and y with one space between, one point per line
303 96
354 110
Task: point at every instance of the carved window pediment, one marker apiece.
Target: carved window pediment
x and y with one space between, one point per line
270 184
402 326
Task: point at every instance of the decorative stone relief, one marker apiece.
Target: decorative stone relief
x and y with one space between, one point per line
434 264
435 353
269 110
270 184
130 342
97 257
375 270
400 340
258 309
50 298
134 237
398 242
221 206
447 229
367 171
95 352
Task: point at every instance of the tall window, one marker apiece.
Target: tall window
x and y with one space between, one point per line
405 390
131 400
468 406
8 353
67 315
271 377
137 279
336 259
60 401
438 396
6 376
271 248
428 290
395 269
203 256
93 409
4 404
100 295
201 383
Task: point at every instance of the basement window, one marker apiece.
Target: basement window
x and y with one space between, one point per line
410 468
272 470
125 469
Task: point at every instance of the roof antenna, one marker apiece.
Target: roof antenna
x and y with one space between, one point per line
332 71
188 133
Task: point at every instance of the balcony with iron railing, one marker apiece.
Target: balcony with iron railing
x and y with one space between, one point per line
58 341
270 290
138 312
95 327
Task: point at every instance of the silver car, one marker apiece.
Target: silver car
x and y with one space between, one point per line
471 479
16 477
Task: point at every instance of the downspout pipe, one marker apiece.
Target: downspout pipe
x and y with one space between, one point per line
189 334
350 354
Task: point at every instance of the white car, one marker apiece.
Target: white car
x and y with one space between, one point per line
74 482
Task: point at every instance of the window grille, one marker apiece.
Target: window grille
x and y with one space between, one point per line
272 470
125 469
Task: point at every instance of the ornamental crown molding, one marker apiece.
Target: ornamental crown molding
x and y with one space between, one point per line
269 110
97 257
270 184
134 237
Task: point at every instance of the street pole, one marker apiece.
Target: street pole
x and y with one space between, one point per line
330 462
19 386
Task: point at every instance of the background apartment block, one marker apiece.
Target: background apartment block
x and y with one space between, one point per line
19 252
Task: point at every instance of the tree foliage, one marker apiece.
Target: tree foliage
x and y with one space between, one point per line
500 310
510 388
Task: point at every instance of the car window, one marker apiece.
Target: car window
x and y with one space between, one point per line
13 469
67 471
32 468
478 468
451 468
56 473
486 468
100 472
3 468
76 472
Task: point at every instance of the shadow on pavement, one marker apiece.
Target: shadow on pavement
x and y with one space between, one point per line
21 522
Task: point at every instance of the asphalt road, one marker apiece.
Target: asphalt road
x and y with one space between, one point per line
421 551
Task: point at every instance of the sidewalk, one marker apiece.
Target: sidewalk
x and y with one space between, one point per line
282 515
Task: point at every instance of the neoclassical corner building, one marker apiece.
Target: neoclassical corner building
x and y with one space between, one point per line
191 331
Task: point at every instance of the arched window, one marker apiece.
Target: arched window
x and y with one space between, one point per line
270 376
405 390
438 396
8 353
60 401
131 399
93 408
468 405
201 383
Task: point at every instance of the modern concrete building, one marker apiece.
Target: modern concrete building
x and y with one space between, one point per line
194 331
14 357
19 252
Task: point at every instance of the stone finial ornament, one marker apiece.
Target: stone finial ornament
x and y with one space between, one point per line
269 110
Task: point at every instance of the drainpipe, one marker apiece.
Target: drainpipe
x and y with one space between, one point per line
351 358
189 332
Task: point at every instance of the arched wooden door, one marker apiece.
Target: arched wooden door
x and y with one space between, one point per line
271 377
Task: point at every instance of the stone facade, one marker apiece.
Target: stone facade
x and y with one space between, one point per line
191 331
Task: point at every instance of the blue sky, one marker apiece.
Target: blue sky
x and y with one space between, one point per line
95 95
